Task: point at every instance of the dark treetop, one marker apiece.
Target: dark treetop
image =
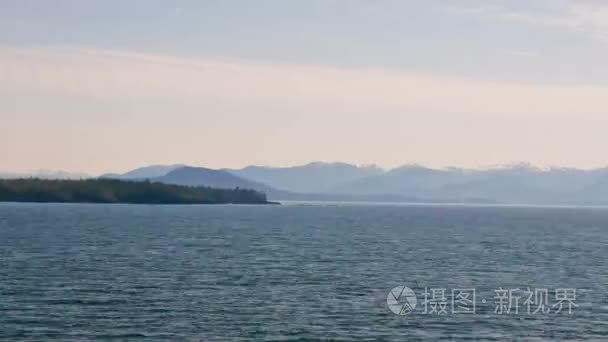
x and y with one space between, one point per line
119 191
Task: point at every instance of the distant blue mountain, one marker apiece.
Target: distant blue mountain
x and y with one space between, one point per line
409 179
200 176
520 183
151 171
314 177
179 174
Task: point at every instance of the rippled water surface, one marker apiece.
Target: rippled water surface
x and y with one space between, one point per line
293 272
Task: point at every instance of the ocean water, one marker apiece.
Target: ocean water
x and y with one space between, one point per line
72 272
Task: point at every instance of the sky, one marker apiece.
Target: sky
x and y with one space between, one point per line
100 86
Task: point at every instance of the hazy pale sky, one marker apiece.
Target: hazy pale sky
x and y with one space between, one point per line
109 85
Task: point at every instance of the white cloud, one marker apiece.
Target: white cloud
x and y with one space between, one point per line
115 75
588 17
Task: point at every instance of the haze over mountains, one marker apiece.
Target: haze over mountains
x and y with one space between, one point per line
45 174
144 172
520 183
315 177
195 176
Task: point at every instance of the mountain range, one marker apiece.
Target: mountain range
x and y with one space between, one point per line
518 183
314 177
144 172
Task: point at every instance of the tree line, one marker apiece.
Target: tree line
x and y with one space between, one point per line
120 191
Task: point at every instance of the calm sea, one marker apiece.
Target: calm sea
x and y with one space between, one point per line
302 272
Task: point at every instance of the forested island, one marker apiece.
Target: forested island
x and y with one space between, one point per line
120 191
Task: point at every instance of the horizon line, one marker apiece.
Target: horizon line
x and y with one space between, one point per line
384 169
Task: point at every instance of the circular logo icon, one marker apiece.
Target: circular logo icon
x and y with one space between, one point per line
401 300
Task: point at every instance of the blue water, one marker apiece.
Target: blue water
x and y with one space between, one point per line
73 272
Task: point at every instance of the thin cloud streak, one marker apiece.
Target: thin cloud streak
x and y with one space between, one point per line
586 17
97 73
